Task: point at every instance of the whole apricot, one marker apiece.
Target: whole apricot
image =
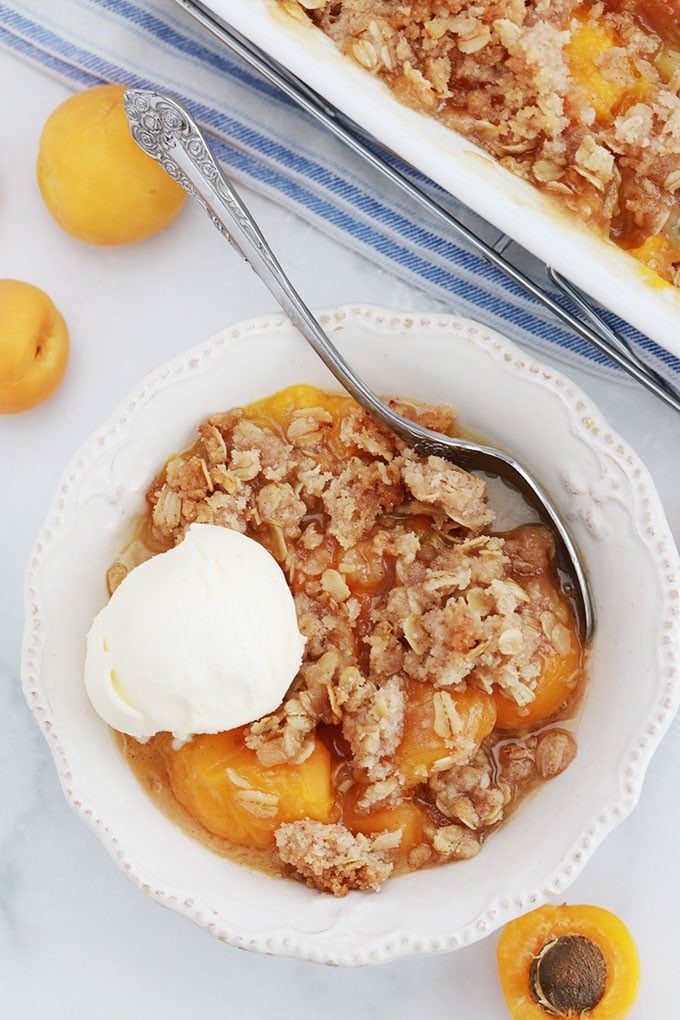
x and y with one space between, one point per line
96 181
34 346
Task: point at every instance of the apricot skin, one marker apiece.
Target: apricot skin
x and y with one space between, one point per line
34 346
97 183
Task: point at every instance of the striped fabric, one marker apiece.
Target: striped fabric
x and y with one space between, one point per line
265 141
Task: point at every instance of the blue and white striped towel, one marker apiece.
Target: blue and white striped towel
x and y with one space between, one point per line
266 141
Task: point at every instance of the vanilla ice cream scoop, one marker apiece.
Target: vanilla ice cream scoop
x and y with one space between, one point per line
195 640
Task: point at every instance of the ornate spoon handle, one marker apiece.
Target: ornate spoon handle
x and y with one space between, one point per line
165 131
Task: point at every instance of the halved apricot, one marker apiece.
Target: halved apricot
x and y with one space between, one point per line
430 737
96 181
568 961
279 408
554 688
34 346
409 816
222 784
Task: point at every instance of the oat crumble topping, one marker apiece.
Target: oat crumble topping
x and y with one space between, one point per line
330 858
581 99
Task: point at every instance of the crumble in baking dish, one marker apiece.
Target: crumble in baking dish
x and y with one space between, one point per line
580 99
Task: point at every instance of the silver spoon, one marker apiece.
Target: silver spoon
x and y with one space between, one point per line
166 131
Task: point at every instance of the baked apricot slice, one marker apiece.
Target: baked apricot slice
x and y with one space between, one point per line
222 784
442 727
409 816
554 688
659 254
568 961
281 407
587 44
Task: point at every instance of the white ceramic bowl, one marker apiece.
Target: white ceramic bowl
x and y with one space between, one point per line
616 518
531 218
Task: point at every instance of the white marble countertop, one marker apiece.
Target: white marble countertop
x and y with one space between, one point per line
76 938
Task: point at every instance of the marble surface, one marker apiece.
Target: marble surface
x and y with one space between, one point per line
76 938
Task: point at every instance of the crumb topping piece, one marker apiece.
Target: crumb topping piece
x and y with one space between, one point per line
330 858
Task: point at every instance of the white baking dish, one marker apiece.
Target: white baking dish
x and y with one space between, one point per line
609 275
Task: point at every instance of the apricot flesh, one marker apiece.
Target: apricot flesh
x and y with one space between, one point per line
588 42
408 817
223 785
97 183
423 748
34 346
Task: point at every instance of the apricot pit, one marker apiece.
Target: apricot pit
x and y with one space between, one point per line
569 975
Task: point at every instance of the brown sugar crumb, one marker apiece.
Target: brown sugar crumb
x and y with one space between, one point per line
459 494
464 619
365 435
330 858
555 751
456 842
356 497
531 552
288 734
545 755
277 504
373 725
468 793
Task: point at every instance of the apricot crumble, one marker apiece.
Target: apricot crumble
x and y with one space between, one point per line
581 99
442 662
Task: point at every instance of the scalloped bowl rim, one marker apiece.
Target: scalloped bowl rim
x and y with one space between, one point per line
351 932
